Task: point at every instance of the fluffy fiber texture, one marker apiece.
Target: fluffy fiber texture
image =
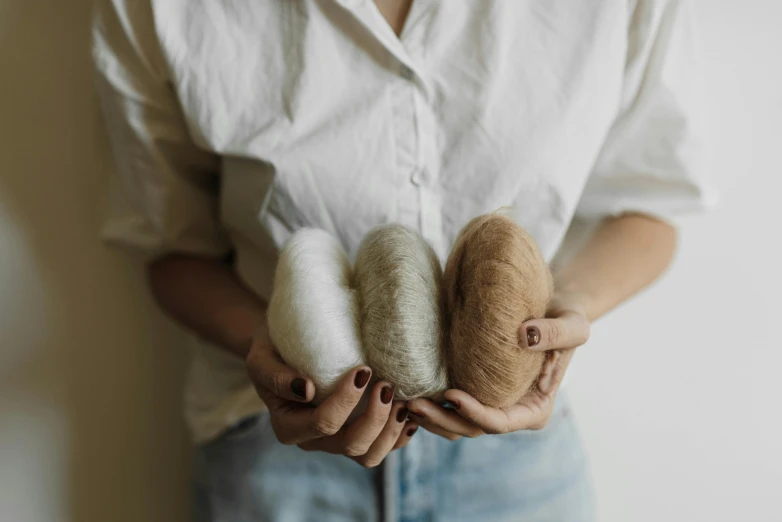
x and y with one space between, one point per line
313 312
495 279
398 277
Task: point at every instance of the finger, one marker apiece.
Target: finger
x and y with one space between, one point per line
387 438
448 420
330 416
331 444
408 430
297 425
492 420
569 330
558 372
271 375
433 428
336 443
360 435
546 378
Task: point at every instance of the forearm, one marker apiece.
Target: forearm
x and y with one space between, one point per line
625 255
206 297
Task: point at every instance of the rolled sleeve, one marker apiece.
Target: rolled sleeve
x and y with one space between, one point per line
651 161
164 188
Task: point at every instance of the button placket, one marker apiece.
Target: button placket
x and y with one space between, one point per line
406 145
413 156
424 177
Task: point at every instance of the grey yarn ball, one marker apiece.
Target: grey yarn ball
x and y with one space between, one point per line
398 278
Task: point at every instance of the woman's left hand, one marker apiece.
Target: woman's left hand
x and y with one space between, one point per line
565 328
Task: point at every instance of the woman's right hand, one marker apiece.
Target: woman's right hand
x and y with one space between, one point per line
381 428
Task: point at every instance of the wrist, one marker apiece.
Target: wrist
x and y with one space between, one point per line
573 300
241 328
259 340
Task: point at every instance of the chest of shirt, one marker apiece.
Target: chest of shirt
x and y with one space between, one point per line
480 101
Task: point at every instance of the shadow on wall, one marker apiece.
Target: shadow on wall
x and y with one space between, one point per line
90 374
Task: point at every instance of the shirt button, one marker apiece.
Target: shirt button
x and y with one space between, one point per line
407 73
418 177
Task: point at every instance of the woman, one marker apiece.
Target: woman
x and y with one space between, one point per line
236 123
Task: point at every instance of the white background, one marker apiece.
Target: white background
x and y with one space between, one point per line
677 393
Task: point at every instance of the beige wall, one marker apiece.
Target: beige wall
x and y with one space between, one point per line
677 393
90 427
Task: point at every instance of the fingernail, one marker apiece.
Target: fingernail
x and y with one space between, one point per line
533 336
299 387
401 415
412 431
362 378
386 394
456 404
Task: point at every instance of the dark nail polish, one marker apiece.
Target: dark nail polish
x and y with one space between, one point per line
362 378
412 431
387 394
456 404
401 415
299 387
533 336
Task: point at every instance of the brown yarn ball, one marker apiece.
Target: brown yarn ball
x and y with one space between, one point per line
495 279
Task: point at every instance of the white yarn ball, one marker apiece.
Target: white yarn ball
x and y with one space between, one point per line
313 313
398 278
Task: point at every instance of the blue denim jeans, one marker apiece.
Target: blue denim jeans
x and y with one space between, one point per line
247 475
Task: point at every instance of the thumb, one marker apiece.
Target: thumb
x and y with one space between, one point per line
569 330
271 375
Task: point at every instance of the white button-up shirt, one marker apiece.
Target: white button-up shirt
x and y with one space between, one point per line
236 123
